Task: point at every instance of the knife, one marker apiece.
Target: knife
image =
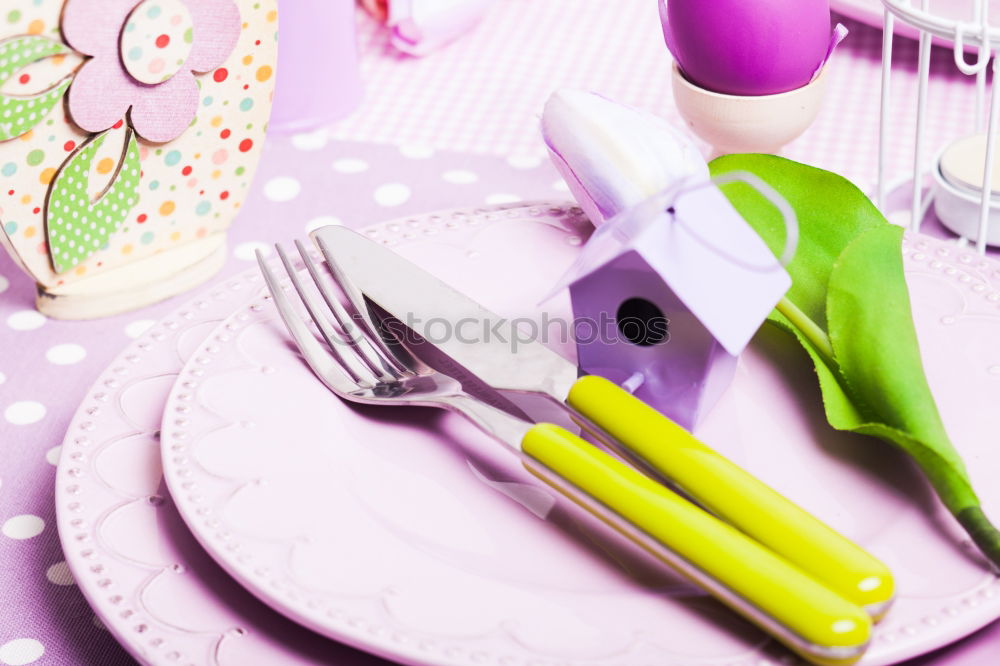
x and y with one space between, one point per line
368 269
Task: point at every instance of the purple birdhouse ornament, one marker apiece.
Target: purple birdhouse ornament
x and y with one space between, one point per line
674 283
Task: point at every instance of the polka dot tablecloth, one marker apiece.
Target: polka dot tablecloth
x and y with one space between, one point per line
480 96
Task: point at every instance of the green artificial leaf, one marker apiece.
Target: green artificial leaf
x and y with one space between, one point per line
849 307
18 114
78 227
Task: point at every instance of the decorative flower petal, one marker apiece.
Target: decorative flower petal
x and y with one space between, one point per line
100 94
613 156
162 112
839 33
379 9
668 33
92 26
421 26
103 90
216 31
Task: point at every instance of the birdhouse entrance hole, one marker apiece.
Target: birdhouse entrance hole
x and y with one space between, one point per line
642 323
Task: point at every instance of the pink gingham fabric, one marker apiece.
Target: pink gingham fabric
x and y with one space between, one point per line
484 93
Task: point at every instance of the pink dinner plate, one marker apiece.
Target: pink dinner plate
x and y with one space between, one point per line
407 533
872 12
165 600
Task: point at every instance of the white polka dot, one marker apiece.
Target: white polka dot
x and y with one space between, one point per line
524 161
282 188
560 186
459 177
349 165
21 651
392 194
136 328
416 151
496 199
66 354
24 412
248 251
4 283
23 527
25 320
59 574
52 455
322 221
311 140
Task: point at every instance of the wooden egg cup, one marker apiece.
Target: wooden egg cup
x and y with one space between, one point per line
747 124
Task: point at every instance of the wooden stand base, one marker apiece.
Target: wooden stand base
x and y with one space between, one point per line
134 286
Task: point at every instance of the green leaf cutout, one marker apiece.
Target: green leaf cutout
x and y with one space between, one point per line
849 307
78 227
18 114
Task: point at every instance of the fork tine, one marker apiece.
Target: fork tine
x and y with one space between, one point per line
326 365
367 352
397 354
335 345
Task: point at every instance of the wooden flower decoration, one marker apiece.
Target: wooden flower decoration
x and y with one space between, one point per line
143 59
122 195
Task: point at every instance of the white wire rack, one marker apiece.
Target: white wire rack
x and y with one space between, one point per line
977 35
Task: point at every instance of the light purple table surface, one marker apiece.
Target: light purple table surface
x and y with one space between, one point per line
52 363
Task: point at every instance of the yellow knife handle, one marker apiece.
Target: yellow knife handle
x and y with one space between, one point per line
807 616
735 495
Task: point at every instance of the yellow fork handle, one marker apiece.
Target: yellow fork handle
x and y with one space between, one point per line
735 495
810 618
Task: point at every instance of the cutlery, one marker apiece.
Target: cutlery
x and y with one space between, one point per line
369 271
801 612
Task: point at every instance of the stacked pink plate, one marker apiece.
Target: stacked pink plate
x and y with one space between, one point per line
218 506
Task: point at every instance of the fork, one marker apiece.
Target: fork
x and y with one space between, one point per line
357 364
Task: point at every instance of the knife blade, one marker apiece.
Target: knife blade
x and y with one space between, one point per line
370 270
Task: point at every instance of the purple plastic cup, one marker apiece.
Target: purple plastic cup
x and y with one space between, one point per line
318 79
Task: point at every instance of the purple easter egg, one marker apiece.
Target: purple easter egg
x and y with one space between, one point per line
748 47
